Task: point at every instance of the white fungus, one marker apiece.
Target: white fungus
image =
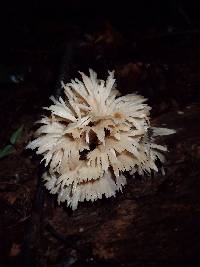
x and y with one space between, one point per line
92 136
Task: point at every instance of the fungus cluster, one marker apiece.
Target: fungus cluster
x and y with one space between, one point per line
92 136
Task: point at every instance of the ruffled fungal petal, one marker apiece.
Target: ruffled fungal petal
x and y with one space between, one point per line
162 131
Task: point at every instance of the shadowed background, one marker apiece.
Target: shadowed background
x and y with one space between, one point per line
154 48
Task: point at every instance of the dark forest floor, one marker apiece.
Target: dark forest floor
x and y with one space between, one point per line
155 221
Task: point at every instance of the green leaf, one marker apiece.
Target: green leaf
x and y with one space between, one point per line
16 135
5 151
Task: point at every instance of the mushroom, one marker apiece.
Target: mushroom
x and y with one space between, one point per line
92 136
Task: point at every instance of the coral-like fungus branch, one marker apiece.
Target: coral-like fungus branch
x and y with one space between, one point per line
92 137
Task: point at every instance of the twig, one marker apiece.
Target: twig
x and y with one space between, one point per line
65 67
33 227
